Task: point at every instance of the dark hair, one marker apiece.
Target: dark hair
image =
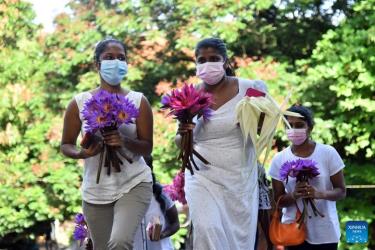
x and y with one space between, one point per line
307 114
157 188
220 47
102 45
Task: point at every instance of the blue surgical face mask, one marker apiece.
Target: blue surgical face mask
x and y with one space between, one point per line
113 71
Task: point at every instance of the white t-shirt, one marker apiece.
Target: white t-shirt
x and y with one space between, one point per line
319 230
141 241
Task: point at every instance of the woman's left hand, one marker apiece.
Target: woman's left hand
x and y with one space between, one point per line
312 193
150 232
113 138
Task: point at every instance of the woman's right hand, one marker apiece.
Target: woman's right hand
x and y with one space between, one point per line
92 150
185 127
299 190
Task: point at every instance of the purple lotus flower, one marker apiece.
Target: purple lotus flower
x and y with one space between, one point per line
300 169
105 109
80 233
307 167
166 100
206 113
97 120
80 219
124 110
187 102
289 168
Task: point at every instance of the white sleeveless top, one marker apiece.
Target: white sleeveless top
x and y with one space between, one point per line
111 188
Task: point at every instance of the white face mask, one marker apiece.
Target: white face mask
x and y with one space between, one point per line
113 71
211 72
297 135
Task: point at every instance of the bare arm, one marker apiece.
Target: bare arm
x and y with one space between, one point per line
71 129
264 221
337 193
144 142
182 128
304 190
279 191
173 224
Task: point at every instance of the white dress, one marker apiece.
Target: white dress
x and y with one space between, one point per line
223 196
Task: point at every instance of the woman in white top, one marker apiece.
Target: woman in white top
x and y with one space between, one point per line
222 196
115 207
163 208
326 188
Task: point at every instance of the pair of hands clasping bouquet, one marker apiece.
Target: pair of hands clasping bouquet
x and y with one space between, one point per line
111 138
103 114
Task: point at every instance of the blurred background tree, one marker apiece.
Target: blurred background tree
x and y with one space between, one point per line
322 50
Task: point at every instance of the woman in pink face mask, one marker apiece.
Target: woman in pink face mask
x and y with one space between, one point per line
223 195
326 188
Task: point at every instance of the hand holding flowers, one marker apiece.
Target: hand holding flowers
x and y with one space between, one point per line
113 138
185 127
185 104
303 170
306 191
105 112
91 151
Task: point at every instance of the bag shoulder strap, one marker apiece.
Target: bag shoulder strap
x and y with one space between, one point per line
277 214
278 201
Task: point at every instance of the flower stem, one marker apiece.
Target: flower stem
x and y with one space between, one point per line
315 209
108 161
102 154
186 148
302 219
200 157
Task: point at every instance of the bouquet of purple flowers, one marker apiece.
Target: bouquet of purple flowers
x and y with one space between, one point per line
105 112
303 170
81 232
184 104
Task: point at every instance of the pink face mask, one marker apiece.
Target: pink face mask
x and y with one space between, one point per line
297 135
211 72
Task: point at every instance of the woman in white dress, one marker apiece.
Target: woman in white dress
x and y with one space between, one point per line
223 195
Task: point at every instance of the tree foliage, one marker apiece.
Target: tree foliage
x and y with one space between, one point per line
292 45
34 179
342 66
